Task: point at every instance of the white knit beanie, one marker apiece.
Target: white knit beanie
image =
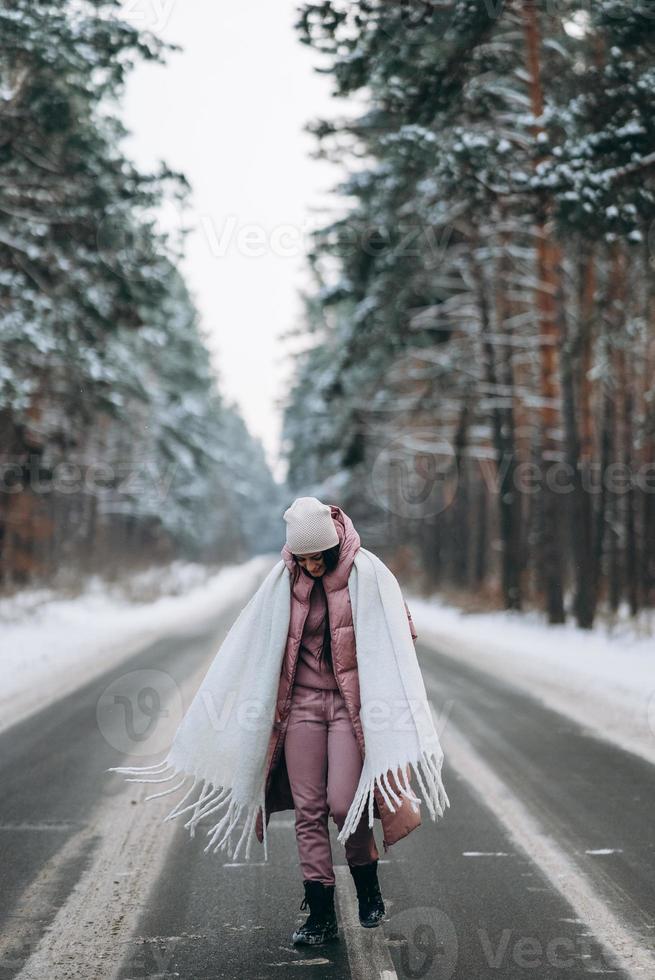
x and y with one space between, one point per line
310 526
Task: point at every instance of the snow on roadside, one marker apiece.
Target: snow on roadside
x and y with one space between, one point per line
605 682
50 646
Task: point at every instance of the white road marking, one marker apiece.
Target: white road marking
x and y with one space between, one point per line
131 845
625 949
302 964
368 955
246 864
49 827
86 930
35 904
485 854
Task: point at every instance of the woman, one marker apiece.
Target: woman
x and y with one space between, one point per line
314 702
317 746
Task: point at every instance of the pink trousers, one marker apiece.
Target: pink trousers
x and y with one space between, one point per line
324 764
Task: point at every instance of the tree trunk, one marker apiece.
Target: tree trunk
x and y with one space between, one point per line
577 351
548 290
502 433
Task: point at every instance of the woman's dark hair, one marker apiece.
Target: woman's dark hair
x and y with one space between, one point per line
331 558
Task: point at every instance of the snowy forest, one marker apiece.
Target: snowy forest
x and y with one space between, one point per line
478 368
118 448
327 501
473 372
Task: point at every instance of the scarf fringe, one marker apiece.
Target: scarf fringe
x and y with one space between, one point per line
427 769
211 798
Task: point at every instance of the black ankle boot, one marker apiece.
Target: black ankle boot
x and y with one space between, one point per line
371 906
321 923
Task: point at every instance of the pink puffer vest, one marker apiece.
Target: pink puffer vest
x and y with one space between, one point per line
344 659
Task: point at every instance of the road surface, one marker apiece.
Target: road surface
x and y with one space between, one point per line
544 865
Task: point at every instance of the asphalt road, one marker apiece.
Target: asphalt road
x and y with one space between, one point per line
542 867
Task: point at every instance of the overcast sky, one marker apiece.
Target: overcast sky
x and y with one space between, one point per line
228 111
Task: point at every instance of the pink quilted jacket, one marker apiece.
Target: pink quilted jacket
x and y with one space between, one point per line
344 659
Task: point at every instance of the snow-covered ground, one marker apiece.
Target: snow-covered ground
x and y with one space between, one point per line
50 646
605 681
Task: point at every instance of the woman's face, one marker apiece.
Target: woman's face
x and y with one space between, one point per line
313 563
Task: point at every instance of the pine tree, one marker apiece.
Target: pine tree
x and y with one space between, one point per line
512 145
105 374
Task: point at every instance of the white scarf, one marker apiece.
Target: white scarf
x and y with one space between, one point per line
221 743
